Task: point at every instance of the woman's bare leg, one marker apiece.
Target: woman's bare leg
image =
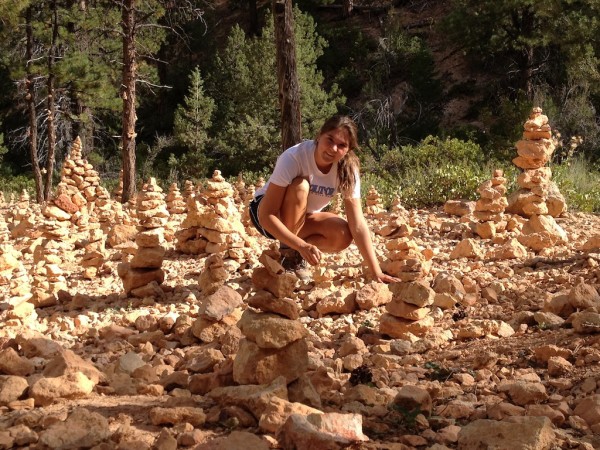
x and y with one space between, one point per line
329 232
293 209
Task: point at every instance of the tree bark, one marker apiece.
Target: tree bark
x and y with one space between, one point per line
128 95
348 6
51 105
31 112
287 76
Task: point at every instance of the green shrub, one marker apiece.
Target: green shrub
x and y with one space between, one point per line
579 181
14 184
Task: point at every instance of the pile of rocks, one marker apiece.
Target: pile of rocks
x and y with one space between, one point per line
408 312
118 190
537 194
398 222
215 227
48 276
246 221
23 218
489 209
188 190
80 179
373 203
94 257
406 260
240 191
175 201
274 343
143 274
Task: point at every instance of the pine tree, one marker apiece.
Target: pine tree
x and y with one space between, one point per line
192 121
246 125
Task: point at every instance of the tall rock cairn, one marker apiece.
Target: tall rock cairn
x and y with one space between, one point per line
175 201
537 194
145 266
48 276
489 209
373 203
79 176
274 341
94 257
215 227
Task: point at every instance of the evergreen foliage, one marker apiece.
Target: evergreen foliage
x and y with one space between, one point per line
246 129
192 122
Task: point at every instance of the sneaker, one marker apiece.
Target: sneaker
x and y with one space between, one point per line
292 261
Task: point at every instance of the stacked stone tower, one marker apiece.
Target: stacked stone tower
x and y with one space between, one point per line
408 311
489 209
538 198
374 203
144 269
274 341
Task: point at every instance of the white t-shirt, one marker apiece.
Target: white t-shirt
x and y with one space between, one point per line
299 160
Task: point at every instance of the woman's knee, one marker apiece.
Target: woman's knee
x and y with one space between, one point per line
340 236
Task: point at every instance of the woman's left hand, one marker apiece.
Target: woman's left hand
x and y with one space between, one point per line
385 278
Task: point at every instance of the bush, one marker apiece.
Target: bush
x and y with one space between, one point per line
579 182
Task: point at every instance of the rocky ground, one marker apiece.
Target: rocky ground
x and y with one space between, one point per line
510 360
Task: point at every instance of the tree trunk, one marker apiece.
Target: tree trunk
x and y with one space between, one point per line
287 76
51 106
83 126
128 95
31 112
348 6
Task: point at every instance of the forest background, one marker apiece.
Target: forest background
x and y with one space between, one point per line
439 89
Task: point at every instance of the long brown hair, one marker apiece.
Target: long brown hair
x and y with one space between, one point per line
349 165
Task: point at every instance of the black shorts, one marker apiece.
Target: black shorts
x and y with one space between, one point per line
254 217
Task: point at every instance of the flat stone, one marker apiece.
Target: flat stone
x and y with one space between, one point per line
220 304
270 330
255 365
265 301
82 429
533 433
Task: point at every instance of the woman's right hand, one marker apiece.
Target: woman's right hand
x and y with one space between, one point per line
310 253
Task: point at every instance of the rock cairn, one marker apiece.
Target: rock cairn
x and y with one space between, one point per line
274 343
106 210
396 205
80 178
94 257
24 217
246 221
406 260
240 190
537 193
215 227
398 222
408 313
175 201
48 276
374 203
188 190
489 209
4 232
142 275
118 190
